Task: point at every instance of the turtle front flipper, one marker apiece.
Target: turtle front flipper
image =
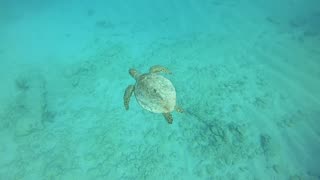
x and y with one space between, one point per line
158 69
168 117
127 96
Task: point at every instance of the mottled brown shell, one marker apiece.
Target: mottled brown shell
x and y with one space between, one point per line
155 93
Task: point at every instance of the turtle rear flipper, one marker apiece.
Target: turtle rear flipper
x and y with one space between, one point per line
158 69
178 109
168 117
127 96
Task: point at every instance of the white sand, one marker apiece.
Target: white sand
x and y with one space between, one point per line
247 75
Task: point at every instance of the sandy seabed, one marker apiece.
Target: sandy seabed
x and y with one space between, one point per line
250 91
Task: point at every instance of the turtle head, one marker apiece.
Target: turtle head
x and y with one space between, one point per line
134 73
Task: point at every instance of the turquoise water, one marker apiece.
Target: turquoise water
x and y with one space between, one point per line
246 73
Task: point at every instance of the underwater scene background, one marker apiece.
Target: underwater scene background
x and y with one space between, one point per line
246 73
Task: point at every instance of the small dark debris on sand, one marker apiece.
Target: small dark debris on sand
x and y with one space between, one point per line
104 24
90 12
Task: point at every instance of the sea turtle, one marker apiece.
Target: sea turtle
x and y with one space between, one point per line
153 92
